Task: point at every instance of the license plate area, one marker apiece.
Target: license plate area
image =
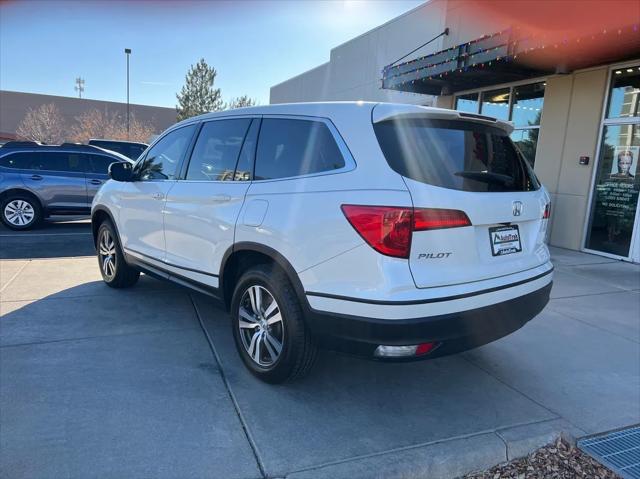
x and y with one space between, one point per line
505 240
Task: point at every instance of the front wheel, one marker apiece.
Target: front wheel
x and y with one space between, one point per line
113 267
268 326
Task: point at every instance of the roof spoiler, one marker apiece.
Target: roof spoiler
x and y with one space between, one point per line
388 111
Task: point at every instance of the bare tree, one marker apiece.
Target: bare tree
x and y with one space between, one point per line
140 131
97 124
111 125
240 102
44 124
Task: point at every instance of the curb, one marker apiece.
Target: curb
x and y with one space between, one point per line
449 458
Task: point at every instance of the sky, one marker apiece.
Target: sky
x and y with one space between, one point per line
45 45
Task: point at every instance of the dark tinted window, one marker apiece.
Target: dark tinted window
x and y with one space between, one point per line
61 161
162 160
22 161
99 164
216 151
135 151
295 147
458 155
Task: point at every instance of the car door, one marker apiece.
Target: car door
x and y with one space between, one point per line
96 172
202 208
142 201
58 179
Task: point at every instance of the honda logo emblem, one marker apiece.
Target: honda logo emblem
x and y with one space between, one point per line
517 208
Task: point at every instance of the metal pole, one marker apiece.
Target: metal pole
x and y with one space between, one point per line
127 51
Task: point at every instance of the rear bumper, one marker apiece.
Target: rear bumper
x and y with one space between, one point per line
456 332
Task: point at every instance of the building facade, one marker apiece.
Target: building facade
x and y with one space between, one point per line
572 92
14 106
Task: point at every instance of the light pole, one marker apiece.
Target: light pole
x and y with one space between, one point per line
127 51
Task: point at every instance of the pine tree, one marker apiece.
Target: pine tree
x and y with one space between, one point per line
198 94
241 102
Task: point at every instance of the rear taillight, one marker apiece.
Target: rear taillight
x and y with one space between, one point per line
437 219
547 211
388 229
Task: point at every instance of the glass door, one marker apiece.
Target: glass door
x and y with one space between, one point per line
613 221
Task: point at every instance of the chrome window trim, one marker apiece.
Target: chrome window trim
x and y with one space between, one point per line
31 150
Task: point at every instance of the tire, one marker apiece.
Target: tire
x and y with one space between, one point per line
20 211
114 269
297 351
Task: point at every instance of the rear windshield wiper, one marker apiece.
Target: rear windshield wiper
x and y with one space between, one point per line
486 177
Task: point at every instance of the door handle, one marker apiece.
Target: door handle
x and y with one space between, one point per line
36 177
95 182
220 198
157 196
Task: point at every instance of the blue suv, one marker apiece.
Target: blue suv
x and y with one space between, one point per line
37 180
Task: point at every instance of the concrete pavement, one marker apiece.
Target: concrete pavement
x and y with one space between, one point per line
146 382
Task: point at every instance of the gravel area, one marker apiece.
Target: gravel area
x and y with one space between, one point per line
556 461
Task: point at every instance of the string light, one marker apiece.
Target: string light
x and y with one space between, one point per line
421 72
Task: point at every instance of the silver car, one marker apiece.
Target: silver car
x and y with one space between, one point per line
37 181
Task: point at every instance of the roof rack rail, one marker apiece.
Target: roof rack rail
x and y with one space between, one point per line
68 144
20 144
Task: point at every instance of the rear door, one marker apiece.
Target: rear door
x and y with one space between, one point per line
96 172
58 178
468 166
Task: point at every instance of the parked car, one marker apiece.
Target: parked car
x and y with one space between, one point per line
37 180
394 232
130 149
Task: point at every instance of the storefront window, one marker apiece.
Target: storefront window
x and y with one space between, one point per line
615 197
527 104
614 200
624 99
468 103
527 141
495 103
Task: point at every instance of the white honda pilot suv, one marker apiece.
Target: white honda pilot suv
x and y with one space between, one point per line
383 230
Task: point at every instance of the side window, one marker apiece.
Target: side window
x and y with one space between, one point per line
216 152
289 147
62 161
163 159
22 161
99 164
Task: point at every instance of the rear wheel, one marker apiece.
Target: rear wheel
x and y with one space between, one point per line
268 326
20 211
113 267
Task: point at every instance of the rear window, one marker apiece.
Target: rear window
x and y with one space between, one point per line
458 155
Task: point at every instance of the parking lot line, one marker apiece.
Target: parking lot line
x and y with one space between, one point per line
15 275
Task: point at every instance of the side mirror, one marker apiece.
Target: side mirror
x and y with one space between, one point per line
121 171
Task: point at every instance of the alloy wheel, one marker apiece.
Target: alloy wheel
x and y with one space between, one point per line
19 212
261 326
107 253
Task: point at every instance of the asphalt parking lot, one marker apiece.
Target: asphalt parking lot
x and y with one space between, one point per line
146 382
